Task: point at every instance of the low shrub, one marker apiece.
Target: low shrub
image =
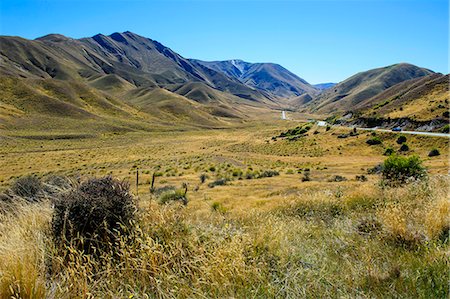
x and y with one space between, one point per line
218 207
203 178
377 169
445 129
28 187
389 151
404 147
374 141
401 139
361 178
178 195
268 174
93 215
219 182
306 176
338 178
434 152
398 170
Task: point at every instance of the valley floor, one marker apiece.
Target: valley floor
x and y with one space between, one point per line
310 228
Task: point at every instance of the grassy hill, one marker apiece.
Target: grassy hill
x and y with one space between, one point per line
345 95
424 98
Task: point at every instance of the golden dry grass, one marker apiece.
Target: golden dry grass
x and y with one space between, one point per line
268 237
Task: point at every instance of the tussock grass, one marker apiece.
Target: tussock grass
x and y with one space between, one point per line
368 241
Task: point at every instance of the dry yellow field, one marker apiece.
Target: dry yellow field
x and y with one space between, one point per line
268 237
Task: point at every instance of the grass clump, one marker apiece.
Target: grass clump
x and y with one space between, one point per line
178 195
218 182
28 187
92 215
398 170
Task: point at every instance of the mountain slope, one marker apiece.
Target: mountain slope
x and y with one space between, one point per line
420 99
264 76
135 59
362 86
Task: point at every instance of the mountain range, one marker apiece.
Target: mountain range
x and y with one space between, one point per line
125 82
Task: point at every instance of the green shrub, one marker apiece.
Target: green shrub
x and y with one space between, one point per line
373 141
218 207
236 173
404 147
389 151
434 152
397 170
268 174
219 182
174 196
94 214
445 129
28 187
401 139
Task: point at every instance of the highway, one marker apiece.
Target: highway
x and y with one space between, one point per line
408 132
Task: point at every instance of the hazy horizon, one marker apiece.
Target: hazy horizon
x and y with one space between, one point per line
351 36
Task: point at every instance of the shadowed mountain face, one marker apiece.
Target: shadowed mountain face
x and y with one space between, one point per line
346 95
266 76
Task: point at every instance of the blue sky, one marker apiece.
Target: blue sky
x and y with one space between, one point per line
321 41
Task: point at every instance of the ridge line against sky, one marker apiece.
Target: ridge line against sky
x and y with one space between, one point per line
320 41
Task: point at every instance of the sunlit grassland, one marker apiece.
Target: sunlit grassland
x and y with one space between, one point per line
260 237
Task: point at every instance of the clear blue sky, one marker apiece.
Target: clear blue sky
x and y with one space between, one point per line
321 41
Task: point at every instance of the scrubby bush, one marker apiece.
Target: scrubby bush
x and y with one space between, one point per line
398 170
28 187
219 182
297 131
361 178
218 207
203 177
94 214
445 129
373 141
268 174
178 195
306 176
401 139
434 152
338 178
404 147
376 169
389 151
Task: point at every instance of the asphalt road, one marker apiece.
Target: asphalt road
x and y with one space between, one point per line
408 132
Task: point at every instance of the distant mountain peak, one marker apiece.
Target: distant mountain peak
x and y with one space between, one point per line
53 37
